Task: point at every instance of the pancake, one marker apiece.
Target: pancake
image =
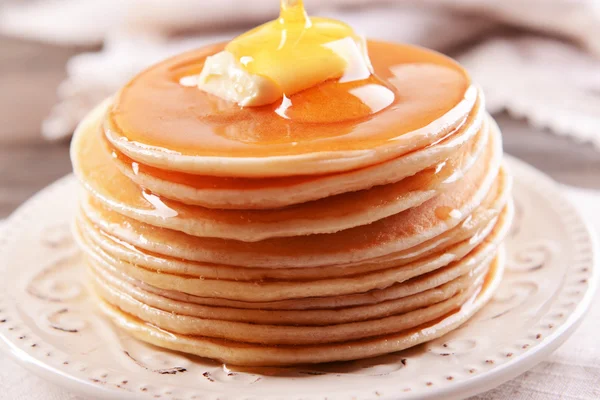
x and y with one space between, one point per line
268 193
286 334
108 284
97 172
470 232
346 220
406 288
463 259
389 235
238 353
432 97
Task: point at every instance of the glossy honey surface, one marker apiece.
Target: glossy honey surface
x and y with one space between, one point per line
410 89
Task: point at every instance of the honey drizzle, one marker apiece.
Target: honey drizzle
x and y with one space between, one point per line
296 52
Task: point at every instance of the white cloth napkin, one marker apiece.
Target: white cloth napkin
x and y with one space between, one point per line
535 58
572 372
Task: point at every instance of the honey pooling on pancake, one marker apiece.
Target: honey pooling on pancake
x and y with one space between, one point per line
334 213
340 108
329 116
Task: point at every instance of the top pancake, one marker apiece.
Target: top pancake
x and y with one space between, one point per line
96 169
388 235
156 121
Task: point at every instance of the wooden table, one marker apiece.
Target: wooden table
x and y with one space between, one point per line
30 73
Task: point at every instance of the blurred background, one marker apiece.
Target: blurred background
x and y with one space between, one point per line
537 60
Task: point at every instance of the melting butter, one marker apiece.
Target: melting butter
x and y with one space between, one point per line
283 57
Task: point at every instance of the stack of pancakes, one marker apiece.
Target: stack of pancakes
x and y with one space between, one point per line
366 256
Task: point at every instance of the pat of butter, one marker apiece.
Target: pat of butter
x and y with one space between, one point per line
278 59
225 77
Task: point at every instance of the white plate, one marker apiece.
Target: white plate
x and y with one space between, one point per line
49 324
